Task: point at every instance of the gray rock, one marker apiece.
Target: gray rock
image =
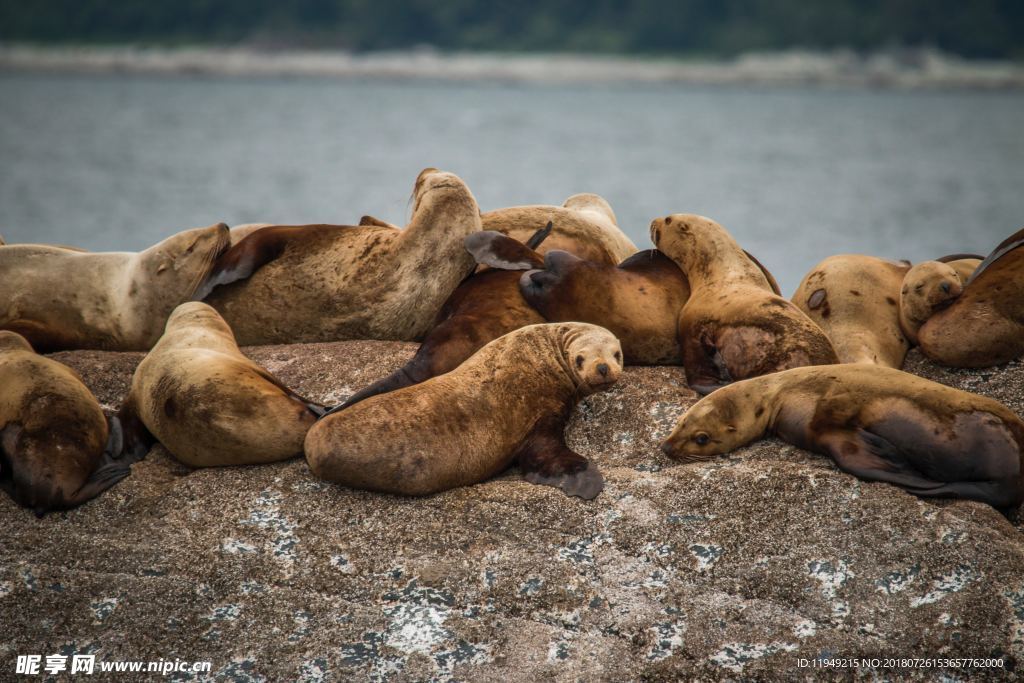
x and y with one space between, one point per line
737 568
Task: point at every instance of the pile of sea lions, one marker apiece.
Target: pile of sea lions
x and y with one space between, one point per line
520 313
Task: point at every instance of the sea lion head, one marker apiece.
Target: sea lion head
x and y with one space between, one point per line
595 203
693 242
594 357
714 425
927 288
179 265
12 341
436 190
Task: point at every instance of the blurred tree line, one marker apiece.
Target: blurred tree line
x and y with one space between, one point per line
972 28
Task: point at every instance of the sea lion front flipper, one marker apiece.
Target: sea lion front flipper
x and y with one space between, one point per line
538 237
545 459
136 439
706 382
1014 241
491 248
111 471
872 458
767 274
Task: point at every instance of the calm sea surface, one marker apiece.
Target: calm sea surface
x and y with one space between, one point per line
119 162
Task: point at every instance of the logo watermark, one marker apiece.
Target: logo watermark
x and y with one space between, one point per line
34 665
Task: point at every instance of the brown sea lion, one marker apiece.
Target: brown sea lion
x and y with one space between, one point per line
309 283
930 286
207 403
57 450
60 298
584 225
877 423
985 325
733 326
638 300
507 403
855 300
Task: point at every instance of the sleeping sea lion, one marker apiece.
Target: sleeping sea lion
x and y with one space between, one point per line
207 403
855 300
57 449
60 298
285 284
985 325
930 286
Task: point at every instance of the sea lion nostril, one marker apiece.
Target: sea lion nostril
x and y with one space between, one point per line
603 369
666 448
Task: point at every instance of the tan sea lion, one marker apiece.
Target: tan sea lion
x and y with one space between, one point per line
985 325
877 423
60 298
638 300
855 300
207 403
930 286
57 450
507 403
284 284
733 326
584 225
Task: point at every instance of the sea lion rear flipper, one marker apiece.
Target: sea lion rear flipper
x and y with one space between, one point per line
491 248
538 237
768 276
136 439
545 459
872 458
374 221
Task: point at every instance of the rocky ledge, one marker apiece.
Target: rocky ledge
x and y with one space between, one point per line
737 568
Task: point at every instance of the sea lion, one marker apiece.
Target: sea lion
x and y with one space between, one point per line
584 225
638 300
930 286
733 326
57 449
284 284
60 298
985 325
877 423
855 300
484 307
507 403
207 403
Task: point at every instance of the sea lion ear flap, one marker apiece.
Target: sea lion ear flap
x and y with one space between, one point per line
496 250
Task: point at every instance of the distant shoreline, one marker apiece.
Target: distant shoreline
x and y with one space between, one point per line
899 69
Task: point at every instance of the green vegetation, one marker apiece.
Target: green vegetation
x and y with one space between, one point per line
974 28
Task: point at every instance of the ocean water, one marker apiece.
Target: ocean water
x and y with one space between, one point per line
117 162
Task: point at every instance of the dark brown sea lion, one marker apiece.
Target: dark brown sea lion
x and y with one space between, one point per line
876 423
638 300
207 403
985 325
734 325
63 298
57 450
507 403
855 300
284 284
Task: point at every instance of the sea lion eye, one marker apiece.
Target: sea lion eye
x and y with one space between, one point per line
702 439
618 356
579 362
